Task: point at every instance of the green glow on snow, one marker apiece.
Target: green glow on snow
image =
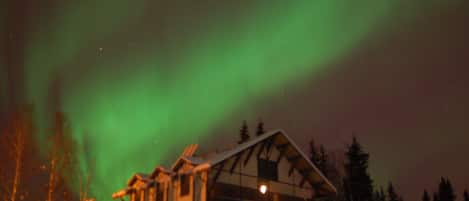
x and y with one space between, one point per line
133 110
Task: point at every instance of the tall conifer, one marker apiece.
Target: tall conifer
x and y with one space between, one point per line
358 180
466 195
313 153
425 196
260 128
446 191
392 193
244 133
435 197
322 160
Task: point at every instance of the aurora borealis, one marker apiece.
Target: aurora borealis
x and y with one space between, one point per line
140 79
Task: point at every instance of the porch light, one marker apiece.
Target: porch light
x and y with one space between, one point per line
263 188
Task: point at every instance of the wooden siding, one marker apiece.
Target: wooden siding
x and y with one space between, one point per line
229 192
246 176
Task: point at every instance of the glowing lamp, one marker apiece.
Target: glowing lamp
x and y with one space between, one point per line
263 188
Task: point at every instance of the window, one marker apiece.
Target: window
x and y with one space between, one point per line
160 192
185 185
267 169
138 195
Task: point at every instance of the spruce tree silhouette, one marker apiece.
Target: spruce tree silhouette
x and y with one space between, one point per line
359 186
436 197
260 128
425 196
392 195
466 195
322 161
379 195
376 195
244 133
382 195
313 153
442 190
446 191
347 191
451 196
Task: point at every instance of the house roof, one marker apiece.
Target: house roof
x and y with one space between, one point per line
277 138
136 177
158 170
187 157
291 151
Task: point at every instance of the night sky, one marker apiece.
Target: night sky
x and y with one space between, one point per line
169 73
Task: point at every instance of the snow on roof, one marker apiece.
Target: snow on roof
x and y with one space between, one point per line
217 158
158 170
138 176
195 160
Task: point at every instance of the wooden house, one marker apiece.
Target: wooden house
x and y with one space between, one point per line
268 167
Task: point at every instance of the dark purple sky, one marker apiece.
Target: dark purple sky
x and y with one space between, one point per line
405 95
403 92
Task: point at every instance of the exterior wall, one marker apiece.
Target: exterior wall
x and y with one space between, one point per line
177 185
246 176
168 188
236 180
229 192
140 194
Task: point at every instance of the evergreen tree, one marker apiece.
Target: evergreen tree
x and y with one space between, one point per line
425 196
451 195
335 175
446 191
347 190
360 185
435 197
244 133
392 193
376 195
382 195
260 128
313 153
322 161
442 190
466 196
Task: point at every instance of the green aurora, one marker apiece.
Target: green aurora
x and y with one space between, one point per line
134 106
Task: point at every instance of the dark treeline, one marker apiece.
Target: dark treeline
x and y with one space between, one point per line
351 177
29 174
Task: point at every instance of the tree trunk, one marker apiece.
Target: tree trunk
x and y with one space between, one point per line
51 180
18 148
16 178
